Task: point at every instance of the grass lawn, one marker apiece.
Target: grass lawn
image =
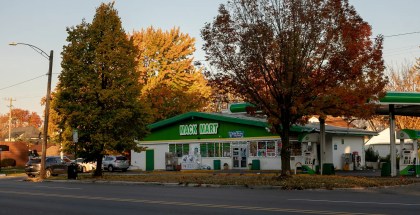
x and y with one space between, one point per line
12 170
301 181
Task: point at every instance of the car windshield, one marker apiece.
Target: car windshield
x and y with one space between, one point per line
66 159
35 160
121 158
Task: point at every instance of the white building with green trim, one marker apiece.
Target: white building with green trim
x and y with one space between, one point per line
235 140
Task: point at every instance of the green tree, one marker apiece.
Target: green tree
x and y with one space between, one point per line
171 85
295 58
98 91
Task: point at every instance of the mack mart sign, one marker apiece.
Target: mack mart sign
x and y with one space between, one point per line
194 129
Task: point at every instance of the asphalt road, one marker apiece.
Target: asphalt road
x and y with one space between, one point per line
19 197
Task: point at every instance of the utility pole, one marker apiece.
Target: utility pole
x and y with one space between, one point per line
10 117
47 103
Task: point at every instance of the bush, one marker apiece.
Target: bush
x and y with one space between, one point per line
8 162
371 156
385 159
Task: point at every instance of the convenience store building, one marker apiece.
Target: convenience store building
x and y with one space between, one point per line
229 140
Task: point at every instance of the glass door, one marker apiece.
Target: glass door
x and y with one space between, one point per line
239 156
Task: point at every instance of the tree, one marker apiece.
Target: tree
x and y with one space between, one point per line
171 85
405 79
98 91
20 118
295 58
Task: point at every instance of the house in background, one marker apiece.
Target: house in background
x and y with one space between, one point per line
27 134
381 143
23 140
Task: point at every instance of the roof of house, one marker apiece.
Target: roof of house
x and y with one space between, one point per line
384 138
28 132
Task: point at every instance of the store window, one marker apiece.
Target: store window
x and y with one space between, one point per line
226 149
264 148
215 149
253 149
271 149
279 145
179 149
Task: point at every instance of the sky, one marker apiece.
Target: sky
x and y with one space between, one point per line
43 23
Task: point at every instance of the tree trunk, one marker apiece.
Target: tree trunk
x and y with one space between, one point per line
285 149
98 170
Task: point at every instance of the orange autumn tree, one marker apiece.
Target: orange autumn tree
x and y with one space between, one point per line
20 118
171 85
405 79
295 58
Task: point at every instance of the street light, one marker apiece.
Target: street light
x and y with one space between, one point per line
47 103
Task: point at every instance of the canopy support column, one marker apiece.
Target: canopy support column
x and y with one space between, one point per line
392 140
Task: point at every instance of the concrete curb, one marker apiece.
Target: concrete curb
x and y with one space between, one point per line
168 184
174 184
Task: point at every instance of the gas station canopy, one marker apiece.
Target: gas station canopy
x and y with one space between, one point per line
405 104
398 103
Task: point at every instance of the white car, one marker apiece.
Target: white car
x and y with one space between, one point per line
112 163
85 166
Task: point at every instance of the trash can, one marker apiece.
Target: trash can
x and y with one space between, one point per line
72 171
386 169
328 169
255 165
216 164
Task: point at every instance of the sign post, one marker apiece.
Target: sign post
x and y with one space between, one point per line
75 140
0 158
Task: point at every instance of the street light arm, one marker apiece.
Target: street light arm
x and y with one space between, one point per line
40 51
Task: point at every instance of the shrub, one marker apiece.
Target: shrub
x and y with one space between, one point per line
8 162
386 159
371 155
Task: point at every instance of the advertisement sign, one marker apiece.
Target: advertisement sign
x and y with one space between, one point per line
190 162
236 134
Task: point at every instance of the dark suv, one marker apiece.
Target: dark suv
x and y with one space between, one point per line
54 165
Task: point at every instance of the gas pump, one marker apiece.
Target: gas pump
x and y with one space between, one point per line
348 161
357 161
409 159
309 152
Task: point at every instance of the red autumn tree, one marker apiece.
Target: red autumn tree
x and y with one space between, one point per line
295 58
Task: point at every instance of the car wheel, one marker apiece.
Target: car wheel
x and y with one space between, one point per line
48 173
124 170
110 168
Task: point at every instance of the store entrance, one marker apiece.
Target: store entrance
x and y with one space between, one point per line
239 156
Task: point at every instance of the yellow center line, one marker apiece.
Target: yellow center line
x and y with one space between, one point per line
145 201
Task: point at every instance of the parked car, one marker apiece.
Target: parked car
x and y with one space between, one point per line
54 165
112 163
84 166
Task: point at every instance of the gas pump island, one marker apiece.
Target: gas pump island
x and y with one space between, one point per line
310 161
409 158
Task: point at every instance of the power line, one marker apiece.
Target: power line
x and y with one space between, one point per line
402 34
397 35
21 82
